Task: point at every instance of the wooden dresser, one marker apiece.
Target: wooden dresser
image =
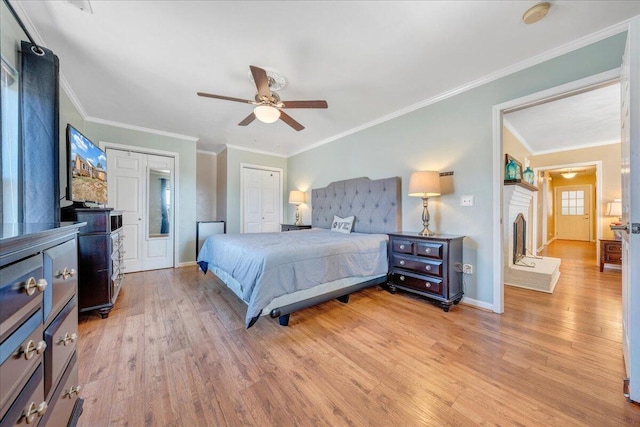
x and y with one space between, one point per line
428 266
100 257
610 252
293 227
39 325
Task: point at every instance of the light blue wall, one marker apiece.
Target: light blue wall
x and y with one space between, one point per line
186 205
234 159
452 135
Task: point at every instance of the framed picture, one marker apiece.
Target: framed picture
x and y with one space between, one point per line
507 158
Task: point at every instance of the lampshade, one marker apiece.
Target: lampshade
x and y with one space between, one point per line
424 184
614 208
266 113
297 197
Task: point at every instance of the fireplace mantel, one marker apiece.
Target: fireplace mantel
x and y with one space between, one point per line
520 183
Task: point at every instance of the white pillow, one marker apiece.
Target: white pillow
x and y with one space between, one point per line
343 225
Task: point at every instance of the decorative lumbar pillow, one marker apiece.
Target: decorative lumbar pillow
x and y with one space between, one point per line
343 225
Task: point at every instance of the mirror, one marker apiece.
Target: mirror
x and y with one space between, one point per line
159 194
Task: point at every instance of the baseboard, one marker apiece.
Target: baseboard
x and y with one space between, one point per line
186 264
477 303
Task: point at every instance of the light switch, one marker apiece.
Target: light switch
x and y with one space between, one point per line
466 200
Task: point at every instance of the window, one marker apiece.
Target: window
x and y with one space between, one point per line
573 202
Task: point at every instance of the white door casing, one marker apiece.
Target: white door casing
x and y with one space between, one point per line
630 171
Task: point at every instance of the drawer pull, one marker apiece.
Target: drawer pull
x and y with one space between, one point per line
31 285
401 262
402 278
427 284
32 348
73 390
66 273
427 250
428 268
401 246
32 411
67 338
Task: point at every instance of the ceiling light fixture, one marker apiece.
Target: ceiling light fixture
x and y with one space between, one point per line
536 13
266 113
568 175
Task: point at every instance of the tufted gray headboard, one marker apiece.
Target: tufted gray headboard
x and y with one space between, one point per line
377 205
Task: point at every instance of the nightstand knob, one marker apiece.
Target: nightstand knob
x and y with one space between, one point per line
402 278
401 262
401 246
427 284
428 268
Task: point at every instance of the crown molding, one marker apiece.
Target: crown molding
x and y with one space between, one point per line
141 129
210 153
251 150
576 147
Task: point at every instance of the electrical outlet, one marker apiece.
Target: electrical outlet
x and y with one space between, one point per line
466 200
467 269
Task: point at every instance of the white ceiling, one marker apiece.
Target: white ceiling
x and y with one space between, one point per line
584 120
140 63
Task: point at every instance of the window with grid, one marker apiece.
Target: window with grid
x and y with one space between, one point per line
573 202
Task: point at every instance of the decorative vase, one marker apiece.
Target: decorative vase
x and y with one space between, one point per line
528 175
511 170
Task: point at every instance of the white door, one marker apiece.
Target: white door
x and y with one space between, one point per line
630 102
126 193
134 188
573 212
262 200
157 245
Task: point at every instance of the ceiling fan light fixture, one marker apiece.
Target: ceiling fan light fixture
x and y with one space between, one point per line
266 113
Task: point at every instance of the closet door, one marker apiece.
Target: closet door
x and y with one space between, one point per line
142 187
126 193
262 200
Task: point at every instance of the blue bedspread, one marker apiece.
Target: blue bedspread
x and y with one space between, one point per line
268 265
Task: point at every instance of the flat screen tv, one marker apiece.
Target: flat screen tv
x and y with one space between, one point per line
87 169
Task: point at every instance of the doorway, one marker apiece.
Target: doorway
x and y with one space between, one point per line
143 185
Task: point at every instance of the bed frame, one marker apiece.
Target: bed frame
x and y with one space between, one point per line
377 207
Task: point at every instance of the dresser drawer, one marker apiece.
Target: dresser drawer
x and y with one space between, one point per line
402 246
18 361
30 401
61 338
423 284
421 266
60 267
20 293
611 248
430 249
64 397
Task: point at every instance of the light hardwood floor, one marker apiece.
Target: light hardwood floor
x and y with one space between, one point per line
174 352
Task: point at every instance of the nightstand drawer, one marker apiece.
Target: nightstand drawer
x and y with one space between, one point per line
402 246
429 249
424 283
610 248
420 266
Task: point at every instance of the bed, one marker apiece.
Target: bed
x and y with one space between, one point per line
279 273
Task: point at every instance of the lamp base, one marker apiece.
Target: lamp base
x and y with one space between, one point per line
426 232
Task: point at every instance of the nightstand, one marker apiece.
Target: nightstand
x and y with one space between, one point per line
610 252
427 266
293 227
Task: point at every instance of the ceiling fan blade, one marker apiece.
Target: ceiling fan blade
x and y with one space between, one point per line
305 104
290 121
261 79
226 98
251 117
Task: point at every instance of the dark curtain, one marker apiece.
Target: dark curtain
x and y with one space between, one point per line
40 113
164 227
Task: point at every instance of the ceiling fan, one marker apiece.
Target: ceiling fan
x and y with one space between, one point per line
268 104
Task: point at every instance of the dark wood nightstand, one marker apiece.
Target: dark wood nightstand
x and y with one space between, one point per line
610 252
293 227
428 266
